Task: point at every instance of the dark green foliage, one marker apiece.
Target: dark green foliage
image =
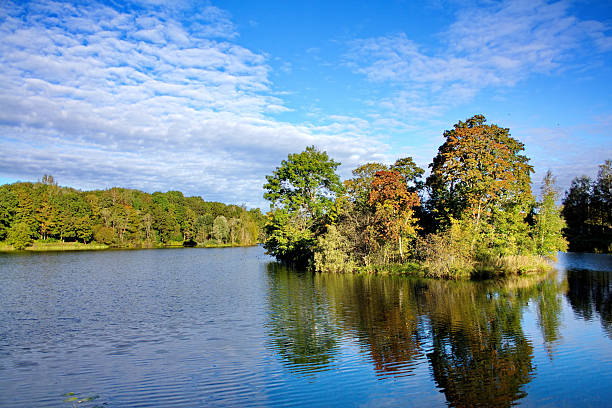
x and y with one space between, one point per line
587 209
117 217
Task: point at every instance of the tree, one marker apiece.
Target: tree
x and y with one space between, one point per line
410 171
220 229
8 205
478 171
577 213
548 230
306 183
301 192
394 207
20 235
358 188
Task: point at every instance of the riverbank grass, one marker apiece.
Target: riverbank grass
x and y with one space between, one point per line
38 246
490 267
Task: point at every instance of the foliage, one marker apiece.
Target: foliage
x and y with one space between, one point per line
120 217
20 235
306 183
548 229
358 188
478 169
220 229
333 253
301 192
288 237
446 254
587 209
393 207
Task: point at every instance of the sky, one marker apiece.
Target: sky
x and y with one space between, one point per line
209 97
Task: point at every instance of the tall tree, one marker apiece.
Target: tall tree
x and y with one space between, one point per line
478 168
301 192
548 230
394 207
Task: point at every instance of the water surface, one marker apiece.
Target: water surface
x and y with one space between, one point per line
228 327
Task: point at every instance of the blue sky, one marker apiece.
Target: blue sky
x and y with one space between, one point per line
209 97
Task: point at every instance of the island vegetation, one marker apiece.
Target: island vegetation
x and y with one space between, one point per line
474 215
44 216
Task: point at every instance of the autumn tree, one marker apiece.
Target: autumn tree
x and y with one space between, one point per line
393 207
358 188
478 171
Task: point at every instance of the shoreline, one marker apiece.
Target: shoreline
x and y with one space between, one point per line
77 246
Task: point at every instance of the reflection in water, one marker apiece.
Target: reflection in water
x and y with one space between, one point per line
480 354
590 292
469 333
300 327
382 314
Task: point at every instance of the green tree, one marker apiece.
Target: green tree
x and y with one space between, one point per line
301 192
20 235
8 206
548 229
577 213
220 229
411 172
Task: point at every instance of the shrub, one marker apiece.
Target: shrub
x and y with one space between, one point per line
332 253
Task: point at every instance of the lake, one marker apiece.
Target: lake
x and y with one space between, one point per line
229 327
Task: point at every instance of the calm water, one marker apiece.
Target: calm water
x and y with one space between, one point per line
227 327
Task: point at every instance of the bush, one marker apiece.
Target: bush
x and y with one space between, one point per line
332 253
446 254
104 235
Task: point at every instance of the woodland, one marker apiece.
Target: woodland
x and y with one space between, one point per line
44 215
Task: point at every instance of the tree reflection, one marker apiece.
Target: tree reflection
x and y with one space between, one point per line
382 313
480 355
590 293
469 332
301 331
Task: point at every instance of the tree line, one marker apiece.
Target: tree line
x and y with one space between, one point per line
587 208
475 212
120 217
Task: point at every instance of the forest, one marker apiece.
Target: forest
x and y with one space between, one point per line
474 215
45 213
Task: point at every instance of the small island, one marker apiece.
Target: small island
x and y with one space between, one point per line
475 215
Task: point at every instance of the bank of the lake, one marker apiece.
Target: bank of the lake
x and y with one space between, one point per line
229 327
38 246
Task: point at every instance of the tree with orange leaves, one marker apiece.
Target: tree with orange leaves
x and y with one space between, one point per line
393 207
478 170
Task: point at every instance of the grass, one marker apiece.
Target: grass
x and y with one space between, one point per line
492 267
64 246
41 246
510 265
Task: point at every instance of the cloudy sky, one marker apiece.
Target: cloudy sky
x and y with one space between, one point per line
209 97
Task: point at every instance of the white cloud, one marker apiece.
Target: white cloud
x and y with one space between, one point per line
496 45
100 97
